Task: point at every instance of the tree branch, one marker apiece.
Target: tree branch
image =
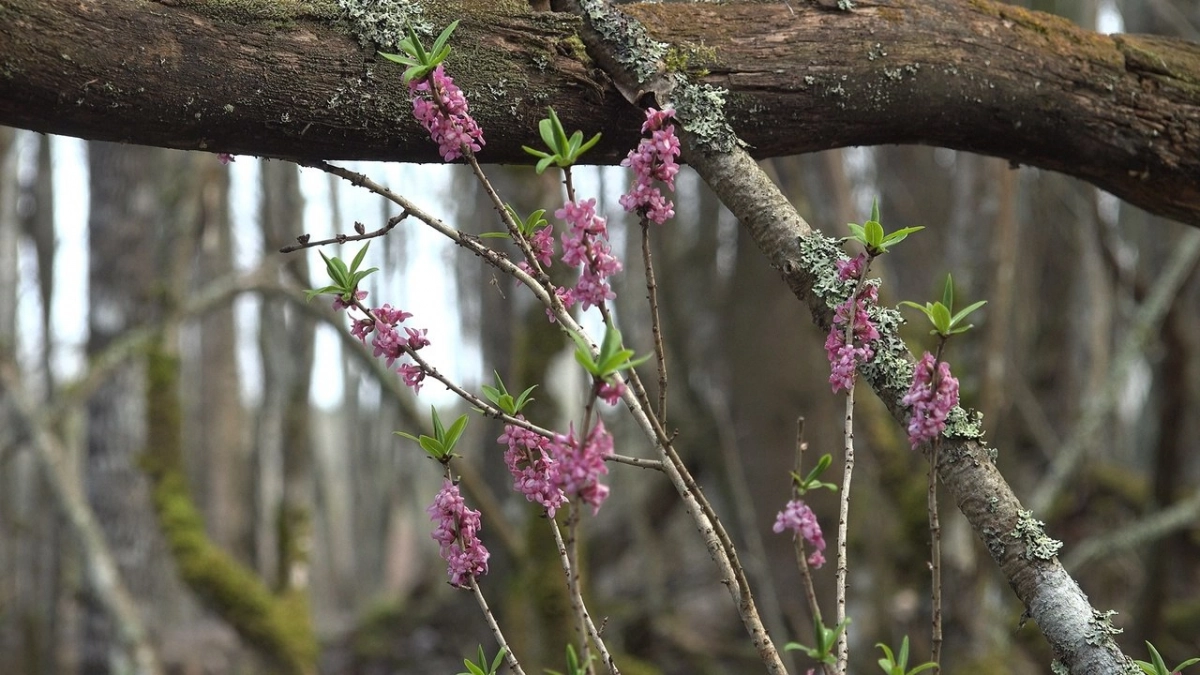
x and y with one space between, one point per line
1122 112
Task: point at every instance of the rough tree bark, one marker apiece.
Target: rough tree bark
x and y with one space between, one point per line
1122 112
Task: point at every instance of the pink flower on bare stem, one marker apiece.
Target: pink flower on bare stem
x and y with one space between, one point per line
844 358
456 530
798 517
534 472
653 160
930 407
541 244
450 125
339 304
580 468
586 244
225 157
383 329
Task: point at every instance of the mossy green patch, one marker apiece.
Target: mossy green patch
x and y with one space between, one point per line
280 627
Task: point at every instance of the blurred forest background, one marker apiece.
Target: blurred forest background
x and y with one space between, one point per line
186 415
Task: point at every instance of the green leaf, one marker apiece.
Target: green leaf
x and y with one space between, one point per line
535 152
439 431
875 210
454 432
398 58
961 315
496 662
495 235
544 163
583 353
900 235
941 317
948 293
309 295
874 233
588 146
523 399
418 49
560 135
439 45
433 447
358 258
491 393
546 129
859 233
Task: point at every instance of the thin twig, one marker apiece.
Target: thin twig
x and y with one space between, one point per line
660 354
509 657
304 240
640 463
568 554
935 534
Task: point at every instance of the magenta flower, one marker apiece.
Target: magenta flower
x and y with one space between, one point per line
580 468
456 530
798 517
386 341
586 245
225 157
929 407
450 125
413 376
843 358
339 304
534 472
653 159
611 393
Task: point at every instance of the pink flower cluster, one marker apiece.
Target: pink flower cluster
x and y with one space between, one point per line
384 330
580 467
448 124
843 358
653 159
548 471
456 530
611 392
541 244
534 472
586 245
930 407
798 517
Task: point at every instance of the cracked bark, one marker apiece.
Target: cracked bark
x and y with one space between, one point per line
1122 112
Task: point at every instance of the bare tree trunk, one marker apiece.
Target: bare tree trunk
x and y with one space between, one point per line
286 346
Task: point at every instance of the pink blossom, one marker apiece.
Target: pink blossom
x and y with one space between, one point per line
653 159
580 468
413 376
586 244
450 125
930 408
534 472
611 393
225 157
339 304
843 358
798 517
456 530
852 268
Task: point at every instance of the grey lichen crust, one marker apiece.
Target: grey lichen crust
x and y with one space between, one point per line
1038 545
383 23
700 108
1100 627
891 369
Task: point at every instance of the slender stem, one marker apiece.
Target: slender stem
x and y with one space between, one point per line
843 644
509 657
810 593
568 555
935 560
660 354
935 532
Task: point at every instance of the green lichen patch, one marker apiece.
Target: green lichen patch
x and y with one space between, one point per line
1038 545
633 46
701 109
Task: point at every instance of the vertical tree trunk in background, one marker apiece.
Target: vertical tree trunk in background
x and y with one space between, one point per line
132 234
215 438
286 345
